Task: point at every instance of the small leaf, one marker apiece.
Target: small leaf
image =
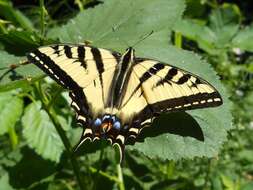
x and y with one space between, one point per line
243 39
15 16
11 108
40 133
227 182
22 75
20 42
4 182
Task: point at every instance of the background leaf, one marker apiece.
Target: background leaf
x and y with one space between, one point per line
22 74
116 30
243 39
4 182
11 108
40 133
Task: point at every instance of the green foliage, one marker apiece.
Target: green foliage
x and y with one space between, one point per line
15 78
40 133
243 39
120 31
11 108
37 134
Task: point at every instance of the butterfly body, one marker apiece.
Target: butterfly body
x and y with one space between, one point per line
115 96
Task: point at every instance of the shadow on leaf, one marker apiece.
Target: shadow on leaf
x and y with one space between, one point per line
178 123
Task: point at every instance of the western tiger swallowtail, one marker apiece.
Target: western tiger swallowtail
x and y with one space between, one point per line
116 95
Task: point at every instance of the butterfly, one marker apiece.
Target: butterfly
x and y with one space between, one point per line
115 96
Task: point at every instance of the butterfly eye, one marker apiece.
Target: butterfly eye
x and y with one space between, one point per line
116 125
97 122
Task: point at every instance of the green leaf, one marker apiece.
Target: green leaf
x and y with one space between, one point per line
228 183
40 133
120 24
215 36
34 170
139 19
4 182
19 77
20 42
243 39
247 186
15 16
11 108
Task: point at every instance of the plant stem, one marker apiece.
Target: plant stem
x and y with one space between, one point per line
120 177
68 148
53 117
13 137
42 18
79 4
112 178
178 40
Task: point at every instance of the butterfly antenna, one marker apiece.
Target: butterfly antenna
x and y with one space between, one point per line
143 38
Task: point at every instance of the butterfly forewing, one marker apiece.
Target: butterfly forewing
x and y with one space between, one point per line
86 71
167 88
77 63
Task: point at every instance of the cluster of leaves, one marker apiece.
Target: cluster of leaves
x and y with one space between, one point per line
37 130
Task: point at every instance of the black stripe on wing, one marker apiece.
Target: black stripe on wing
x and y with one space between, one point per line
45 63
55 72
152 71
100 66
81 56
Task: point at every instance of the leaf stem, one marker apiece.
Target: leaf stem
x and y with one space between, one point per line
120 177
79 4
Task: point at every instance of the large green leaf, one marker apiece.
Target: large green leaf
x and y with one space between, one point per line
40 133
119 24
96 26
11 108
